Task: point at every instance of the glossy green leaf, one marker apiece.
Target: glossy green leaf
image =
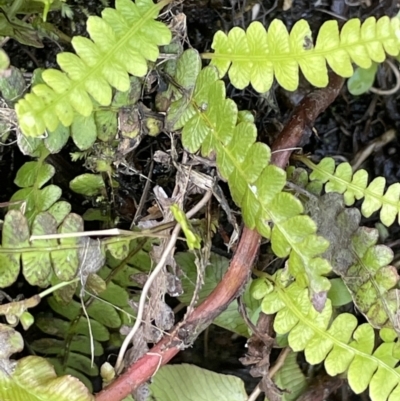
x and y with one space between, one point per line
57 139
362 80
52 346
60 328
34 379
200 384
84 131
88 184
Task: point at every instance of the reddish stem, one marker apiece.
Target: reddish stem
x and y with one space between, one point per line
225 292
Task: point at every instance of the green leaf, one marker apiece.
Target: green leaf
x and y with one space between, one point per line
47 196
291 378
106 124
354 187
88 184
119 249
66 261
60 211
12 82
60 370
34 379
37 266
79 343
104 313
211 125
84 131
32 173
60 328
120 42
12 342
192 239
338 293
4 61
230 319
362 80
200 385
15 234
82 363
57 139
100 311
129 97
115 294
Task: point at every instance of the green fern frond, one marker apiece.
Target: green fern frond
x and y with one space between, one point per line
256 56
63 257
340 343
354 187
121 42
33 377
211 123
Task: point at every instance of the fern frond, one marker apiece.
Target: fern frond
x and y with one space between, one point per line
121 42
340 343
363 265
63 257
211 123
354 187
256 56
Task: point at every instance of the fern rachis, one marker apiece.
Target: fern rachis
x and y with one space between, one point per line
256 56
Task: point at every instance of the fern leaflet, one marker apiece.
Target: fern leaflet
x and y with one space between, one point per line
354 187
256 56
341 344
121 42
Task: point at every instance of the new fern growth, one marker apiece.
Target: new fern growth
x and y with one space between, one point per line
354 186
122 42
256 56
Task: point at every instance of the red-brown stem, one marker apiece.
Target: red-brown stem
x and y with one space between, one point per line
239 269
304 116
225 292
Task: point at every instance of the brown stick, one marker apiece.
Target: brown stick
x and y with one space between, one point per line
304 116
239 269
